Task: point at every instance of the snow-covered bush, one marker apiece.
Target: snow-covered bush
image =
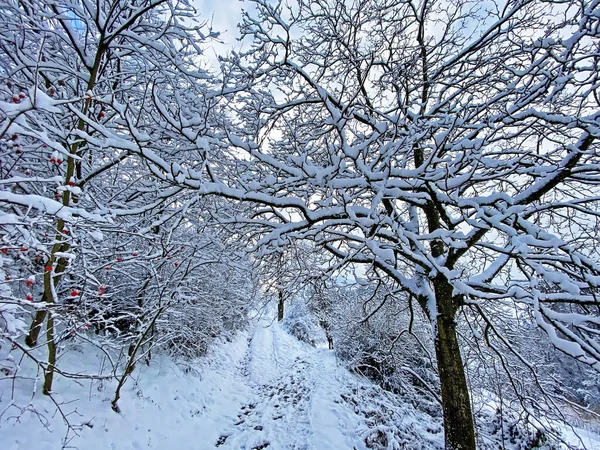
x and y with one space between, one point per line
302 323
507 430
376 336
96 245
215 301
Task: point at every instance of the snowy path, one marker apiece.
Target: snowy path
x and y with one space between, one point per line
292 398
261 390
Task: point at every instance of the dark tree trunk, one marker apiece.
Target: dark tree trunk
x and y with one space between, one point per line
36 326
280 307
330 342
458 419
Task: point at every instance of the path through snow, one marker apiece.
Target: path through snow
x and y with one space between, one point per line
261 390
292 397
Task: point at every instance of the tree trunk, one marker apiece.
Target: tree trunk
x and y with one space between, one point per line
36 326
280 307
459 428
458 419
131 356
49 277
49 375
63 245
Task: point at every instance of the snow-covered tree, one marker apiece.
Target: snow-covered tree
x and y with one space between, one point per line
287 272
448 147
85 89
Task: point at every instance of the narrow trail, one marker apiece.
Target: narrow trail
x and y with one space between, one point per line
290 397
259 389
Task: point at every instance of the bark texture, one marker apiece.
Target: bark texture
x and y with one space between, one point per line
459 428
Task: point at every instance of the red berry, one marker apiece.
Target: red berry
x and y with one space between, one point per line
182 247
21 95
108 268
58 196
48 268
15 99
27 172
100 294
86 326
46 234
5 251
59 161
71 183
24 249
74 293
29 297
102 288
18 151
7 277
14 137
52 160
44 146
119 258
176 264
65 231
101 114
134 254
29 283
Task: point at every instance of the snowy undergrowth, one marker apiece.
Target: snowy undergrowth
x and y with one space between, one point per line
163 405
516 430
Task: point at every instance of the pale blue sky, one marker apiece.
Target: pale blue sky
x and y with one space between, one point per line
224 15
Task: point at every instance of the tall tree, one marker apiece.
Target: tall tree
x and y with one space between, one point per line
287 271
447 146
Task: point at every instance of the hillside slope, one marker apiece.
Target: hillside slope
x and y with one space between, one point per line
264 389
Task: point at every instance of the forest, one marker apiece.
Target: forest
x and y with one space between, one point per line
395 194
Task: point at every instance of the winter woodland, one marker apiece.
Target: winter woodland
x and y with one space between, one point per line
375 222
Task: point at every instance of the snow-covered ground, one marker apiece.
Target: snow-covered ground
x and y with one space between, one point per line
264 389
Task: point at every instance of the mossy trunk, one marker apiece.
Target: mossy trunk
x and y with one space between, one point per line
36 326
459 428
62 245
49 374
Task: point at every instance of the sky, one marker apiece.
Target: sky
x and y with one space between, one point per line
223 16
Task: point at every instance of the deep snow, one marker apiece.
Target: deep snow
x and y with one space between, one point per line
263 389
